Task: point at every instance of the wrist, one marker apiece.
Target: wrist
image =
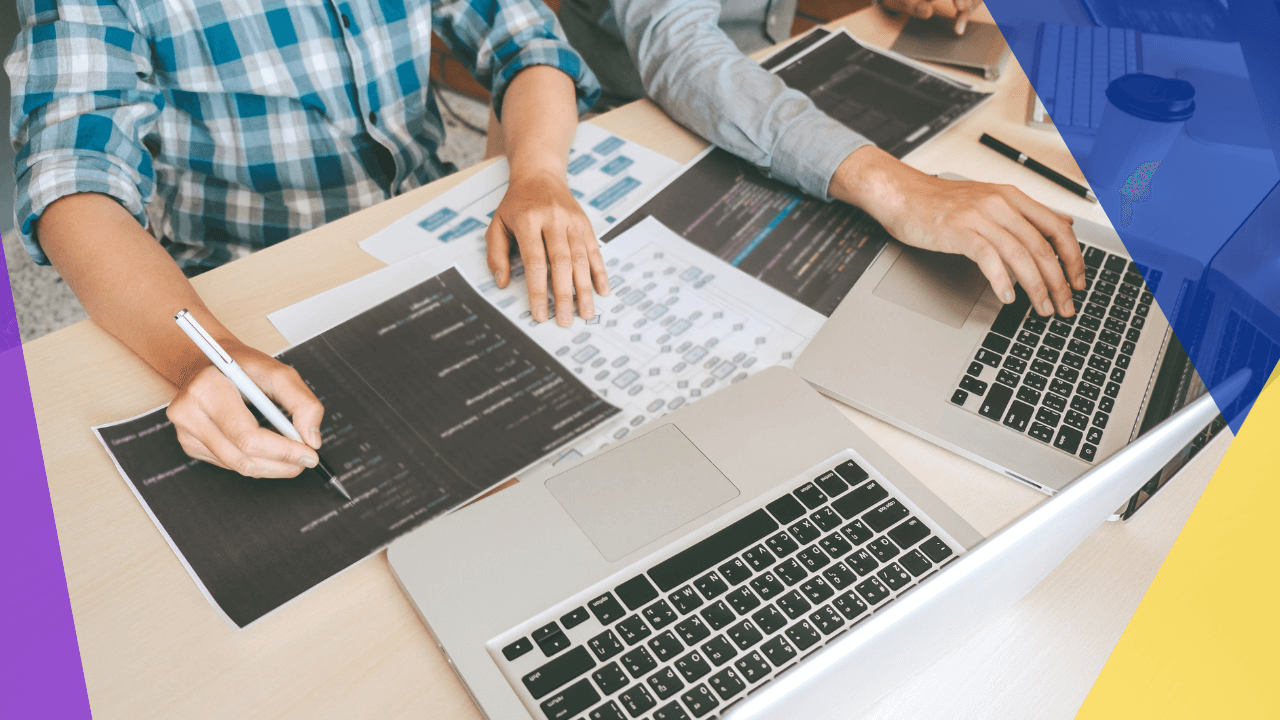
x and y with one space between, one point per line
871 179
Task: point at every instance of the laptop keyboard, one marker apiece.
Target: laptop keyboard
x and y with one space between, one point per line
1056 379
1074 67
715 620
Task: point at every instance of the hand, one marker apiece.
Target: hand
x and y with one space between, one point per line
215 426
546 222
924 10
996 226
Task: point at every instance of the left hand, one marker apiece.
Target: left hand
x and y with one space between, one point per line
546 222
924 9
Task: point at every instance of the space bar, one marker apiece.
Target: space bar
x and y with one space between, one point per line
707 553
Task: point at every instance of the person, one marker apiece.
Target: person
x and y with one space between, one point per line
688 57
158 139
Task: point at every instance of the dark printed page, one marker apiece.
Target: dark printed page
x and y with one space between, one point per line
430 398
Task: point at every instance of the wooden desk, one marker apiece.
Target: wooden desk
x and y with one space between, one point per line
353 647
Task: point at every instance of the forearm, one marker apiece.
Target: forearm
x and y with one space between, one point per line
540 118
127 282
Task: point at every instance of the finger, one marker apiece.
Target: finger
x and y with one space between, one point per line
918 8
1058 228
922 9
582 274
280 456
561 260
286 387
1019 260
1041 253
962 22
196 449
231 455
982 252
533 254
498 243
599 273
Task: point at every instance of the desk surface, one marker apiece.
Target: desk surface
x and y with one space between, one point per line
152 647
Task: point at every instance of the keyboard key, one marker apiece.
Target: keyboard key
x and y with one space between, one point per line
1068 439
753 667
813 559
711 585
606 609
894 576
665 646
1010 316
836 546
638 662
664 683
883 549
637 700
995 343
1077 420
1087 390
916 563
700 701
805 531
826 519
1041 432
816 590
1057 342
810 495
685 600
735 571
550 639
790 571
785 509
767 586
782 545
611 711
605 645
1061 387
758 558
1106 404
1100 420
862 562
559 672
1055 402
1048 354
935 549
1014 364
1088 452
826 620
742 600
1093 257
992 407
669 712
831 484
857 532
769 619
610 678
744 634
633 630
717 615
1034 381
840 576
860 499
794 604
959 397
886 515
660 615
1093 376
517 649
779 651
849 605
1018 416
803 635
726 683
986 357
693 630
692 666
706 554
1007 377
636 592
909 533
574 618
718 650
872 590
575 699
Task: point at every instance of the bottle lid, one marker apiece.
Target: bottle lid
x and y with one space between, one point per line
1153 98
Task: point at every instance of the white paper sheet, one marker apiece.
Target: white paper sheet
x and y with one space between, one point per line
607 174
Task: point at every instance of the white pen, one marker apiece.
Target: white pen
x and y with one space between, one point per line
229 367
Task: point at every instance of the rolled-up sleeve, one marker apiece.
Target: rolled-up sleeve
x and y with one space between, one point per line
496 39
83 104
700 78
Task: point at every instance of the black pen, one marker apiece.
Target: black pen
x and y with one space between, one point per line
1038 167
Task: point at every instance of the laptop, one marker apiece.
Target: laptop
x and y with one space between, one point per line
741 537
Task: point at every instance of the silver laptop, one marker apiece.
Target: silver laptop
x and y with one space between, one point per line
922 342
675 575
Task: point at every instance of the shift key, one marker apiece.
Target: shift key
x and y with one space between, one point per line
574 700
558 672
993 405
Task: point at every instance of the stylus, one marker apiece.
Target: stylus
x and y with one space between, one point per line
1038 168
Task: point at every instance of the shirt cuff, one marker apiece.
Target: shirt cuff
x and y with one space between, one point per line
45 181
810 151
556 54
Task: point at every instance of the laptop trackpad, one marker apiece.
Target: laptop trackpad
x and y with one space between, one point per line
941 286
640 491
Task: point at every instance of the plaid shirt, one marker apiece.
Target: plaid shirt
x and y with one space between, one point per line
226 126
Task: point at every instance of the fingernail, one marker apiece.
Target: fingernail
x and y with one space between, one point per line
1007 296
1046 308
960 26
316 438
1080 281
307 461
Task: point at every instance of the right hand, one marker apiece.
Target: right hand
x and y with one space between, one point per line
924 9
215 426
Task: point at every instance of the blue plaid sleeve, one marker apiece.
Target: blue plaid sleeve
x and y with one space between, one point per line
82 105
496 39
